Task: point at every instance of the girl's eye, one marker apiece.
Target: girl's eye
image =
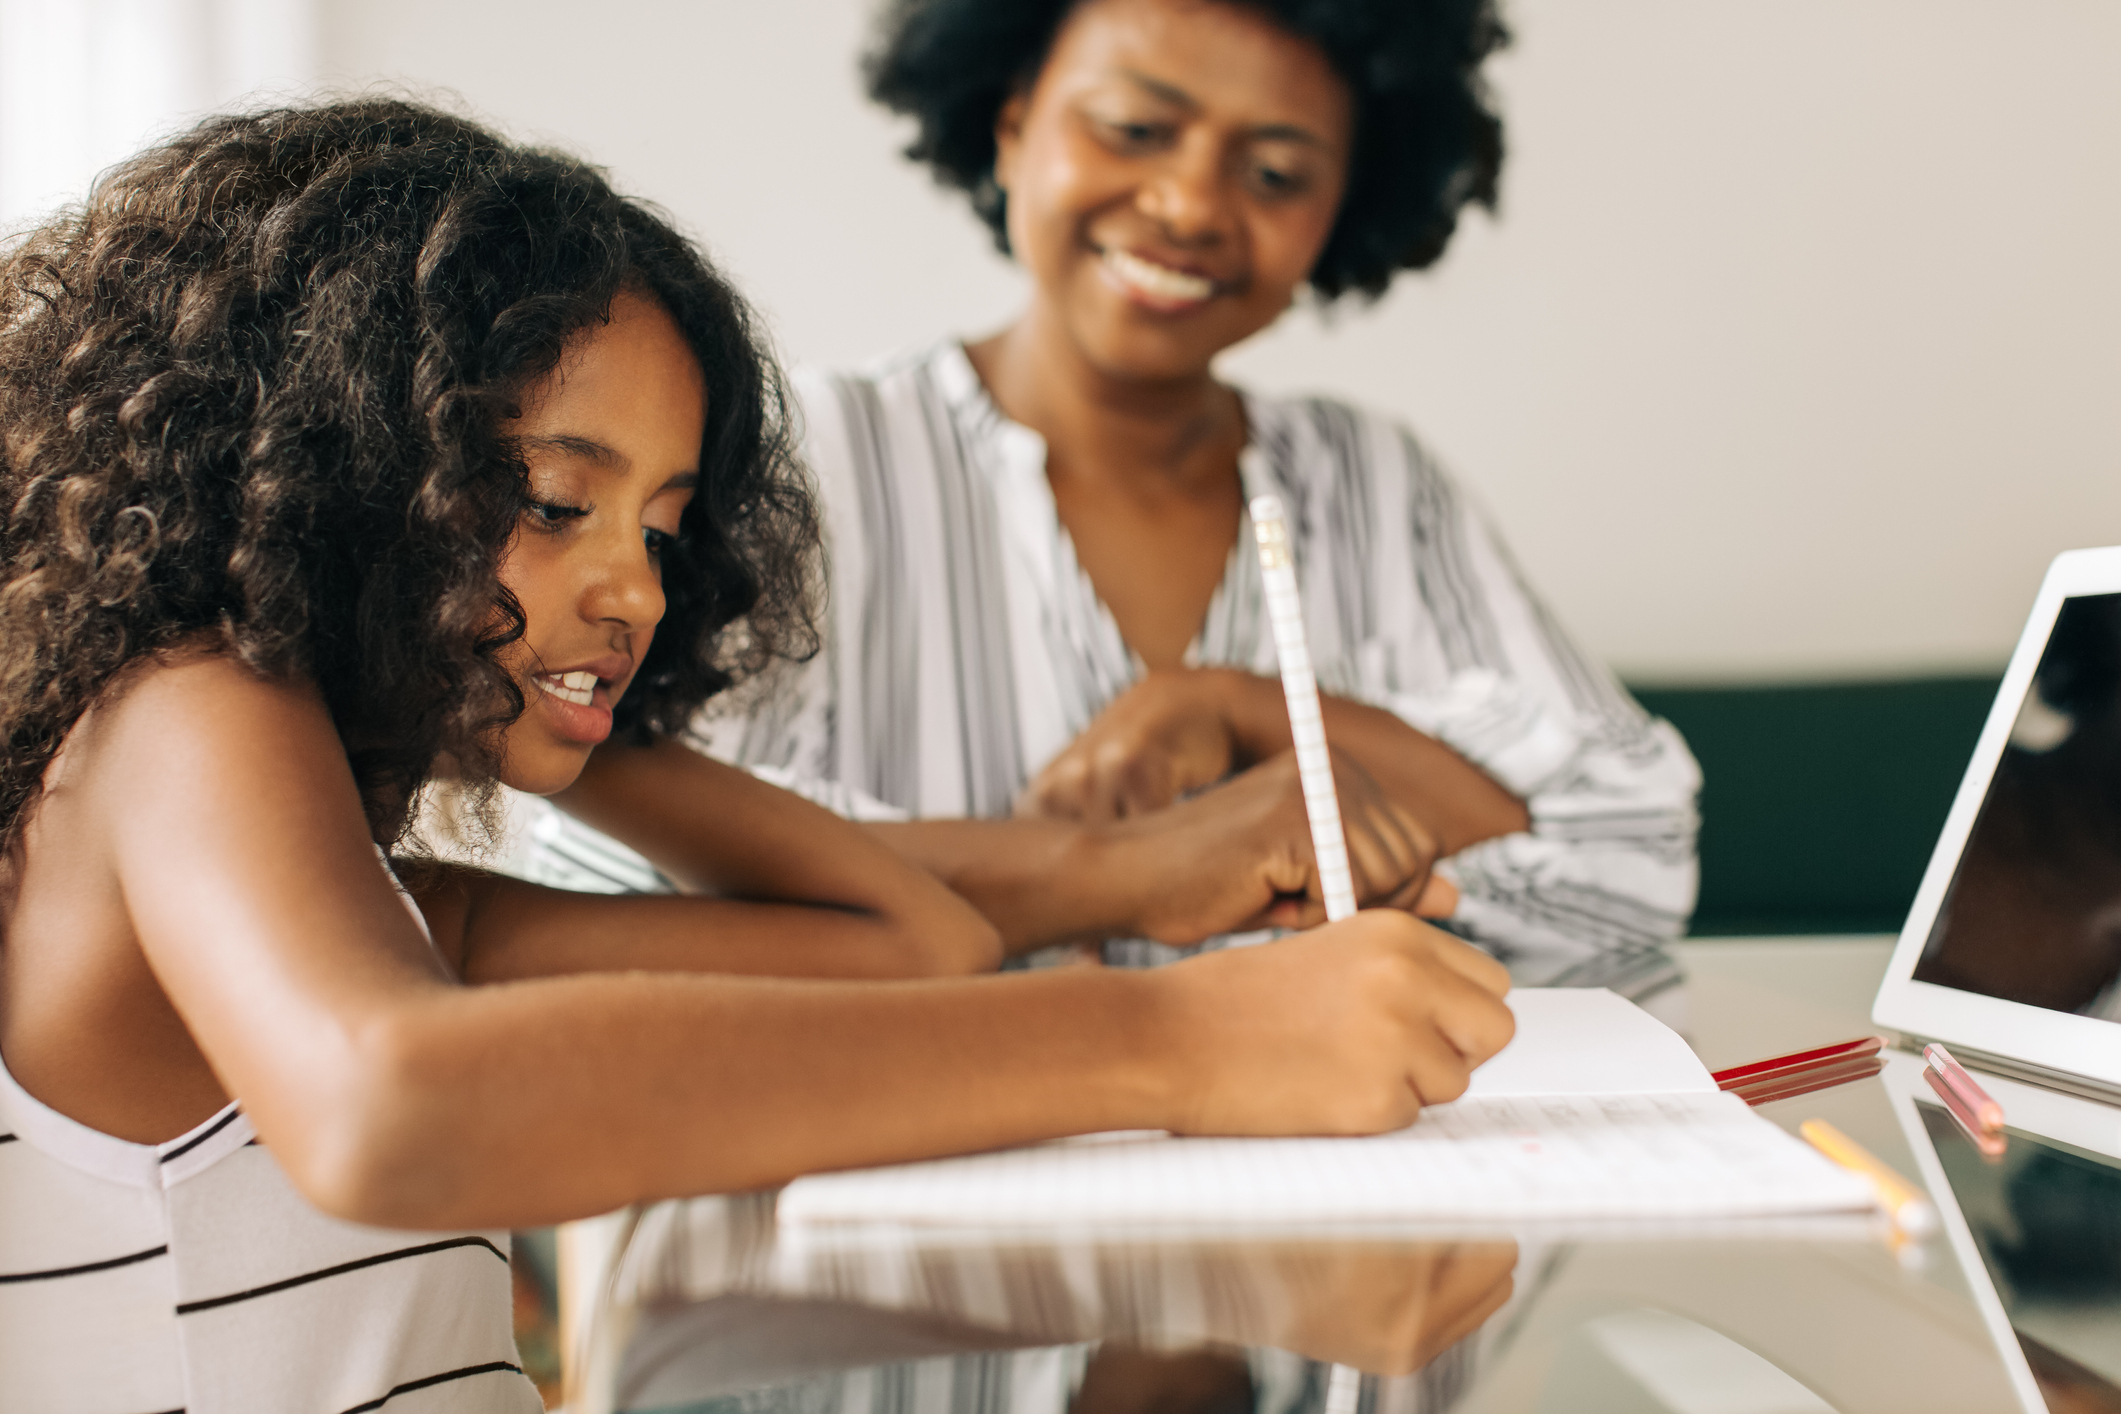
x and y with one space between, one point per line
657 541
551 515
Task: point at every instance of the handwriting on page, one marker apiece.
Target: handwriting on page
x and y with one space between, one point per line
1500 1159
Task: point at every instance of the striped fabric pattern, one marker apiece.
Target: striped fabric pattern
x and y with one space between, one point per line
190 1275
966 647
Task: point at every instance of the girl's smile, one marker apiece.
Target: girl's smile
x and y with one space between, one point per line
579 700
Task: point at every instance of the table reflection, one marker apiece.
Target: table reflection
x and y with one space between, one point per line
732 1315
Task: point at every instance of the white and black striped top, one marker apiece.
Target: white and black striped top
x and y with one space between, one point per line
137 1278
966 647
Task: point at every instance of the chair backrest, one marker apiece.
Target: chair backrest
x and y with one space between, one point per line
1822 802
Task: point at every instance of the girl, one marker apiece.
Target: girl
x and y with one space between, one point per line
352 446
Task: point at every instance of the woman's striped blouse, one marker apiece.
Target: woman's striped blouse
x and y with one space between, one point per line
965 647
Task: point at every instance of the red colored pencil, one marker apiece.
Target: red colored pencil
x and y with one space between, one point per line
1805 1082
1778 1067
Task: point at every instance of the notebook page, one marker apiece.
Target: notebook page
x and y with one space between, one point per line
1501 1159
1588 1041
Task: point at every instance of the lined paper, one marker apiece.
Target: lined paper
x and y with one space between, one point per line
1595 1111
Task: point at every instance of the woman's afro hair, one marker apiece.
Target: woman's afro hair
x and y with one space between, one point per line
254 394
1427 138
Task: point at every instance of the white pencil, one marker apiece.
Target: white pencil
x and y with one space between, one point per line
1314 769
1307 724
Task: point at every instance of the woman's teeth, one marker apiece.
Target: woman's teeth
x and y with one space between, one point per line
578 688
1160 281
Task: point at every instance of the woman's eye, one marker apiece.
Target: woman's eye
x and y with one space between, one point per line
1275 181
657 541
1126 136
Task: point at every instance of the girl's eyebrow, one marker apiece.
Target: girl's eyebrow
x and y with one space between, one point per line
587 448
1178 97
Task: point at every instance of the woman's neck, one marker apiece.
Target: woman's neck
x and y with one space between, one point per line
1151 439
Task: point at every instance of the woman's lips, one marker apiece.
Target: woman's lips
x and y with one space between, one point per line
1154 286
577 703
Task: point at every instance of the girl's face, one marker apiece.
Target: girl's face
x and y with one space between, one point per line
1172 175
612 439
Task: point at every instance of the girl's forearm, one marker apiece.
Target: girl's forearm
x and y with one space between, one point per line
720 830
580 1108
1039 882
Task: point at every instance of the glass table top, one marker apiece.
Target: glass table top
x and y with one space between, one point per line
2014 1305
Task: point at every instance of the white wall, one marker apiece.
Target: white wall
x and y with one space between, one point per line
1796 351
83 83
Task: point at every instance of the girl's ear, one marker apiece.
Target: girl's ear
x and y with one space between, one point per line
1009 135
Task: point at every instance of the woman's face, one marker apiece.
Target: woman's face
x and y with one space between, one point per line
1172 174
612 439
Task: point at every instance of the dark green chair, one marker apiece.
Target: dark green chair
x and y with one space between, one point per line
1821 803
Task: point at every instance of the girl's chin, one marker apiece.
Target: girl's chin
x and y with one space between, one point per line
546 770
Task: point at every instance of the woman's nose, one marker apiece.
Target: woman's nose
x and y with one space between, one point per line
1186 195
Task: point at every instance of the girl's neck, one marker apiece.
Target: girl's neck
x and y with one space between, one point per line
1152 439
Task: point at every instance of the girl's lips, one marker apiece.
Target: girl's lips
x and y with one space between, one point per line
560 695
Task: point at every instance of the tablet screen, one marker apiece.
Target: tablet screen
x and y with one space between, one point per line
2046 1219
2033 914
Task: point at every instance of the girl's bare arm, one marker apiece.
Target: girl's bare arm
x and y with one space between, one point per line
392 1093
798 892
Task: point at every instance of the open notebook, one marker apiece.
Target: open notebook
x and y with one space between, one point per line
1594 1111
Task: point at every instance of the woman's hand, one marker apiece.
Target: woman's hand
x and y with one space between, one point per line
1239 856
1172 733
1181 730
1349 1029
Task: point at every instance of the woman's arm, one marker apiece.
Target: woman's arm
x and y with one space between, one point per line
1178 730
392 1094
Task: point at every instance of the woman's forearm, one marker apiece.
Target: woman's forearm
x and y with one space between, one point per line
1458 801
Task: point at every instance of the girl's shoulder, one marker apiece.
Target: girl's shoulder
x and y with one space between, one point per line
191 700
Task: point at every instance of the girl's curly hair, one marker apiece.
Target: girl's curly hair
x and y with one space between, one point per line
1427 138
254 393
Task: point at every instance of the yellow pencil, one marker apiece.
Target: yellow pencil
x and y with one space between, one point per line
1903 1202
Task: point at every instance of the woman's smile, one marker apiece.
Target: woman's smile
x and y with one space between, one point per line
1155 285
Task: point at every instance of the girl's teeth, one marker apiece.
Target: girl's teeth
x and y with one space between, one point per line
1158 280
578 688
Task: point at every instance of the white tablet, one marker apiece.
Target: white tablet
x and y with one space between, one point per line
2012 952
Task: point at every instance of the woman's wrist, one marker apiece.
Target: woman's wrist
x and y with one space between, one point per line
1252 710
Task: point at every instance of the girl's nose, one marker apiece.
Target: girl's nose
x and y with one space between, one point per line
627 589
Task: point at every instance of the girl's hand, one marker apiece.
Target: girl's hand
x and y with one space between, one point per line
1239 856
1349 1029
